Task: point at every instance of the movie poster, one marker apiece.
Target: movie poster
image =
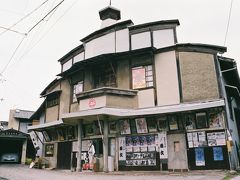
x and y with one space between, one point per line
217 154
125 126
199 157
141 125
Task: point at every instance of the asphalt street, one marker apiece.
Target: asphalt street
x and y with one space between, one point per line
22 172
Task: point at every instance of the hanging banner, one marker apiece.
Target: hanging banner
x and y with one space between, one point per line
34 139
122 149
199 157
163 145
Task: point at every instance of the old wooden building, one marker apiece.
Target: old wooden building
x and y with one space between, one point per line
130 97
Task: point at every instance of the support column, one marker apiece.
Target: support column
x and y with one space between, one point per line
79 163
24 151
105 146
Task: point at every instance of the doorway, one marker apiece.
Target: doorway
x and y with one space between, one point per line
177 154
64 155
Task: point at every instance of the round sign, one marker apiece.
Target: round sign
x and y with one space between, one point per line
92 103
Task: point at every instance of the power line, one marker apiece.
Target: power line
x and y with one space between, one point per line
7 29
4 69
27 51
46 15
229 18
24 17
15 51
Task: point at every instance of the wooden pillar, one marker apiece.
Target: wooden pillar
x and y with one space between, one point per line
105 145
79 163
24 151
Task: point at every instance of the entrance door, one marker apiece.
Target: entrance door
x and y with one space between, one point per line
177 154
64 155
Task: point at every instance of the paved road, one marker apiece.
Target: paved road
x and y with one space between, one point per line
22 172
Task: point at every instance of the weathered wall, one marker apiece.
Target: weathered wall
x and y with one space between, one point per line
123 74
52 114
13 122
146 98
167 85
65 97
198 76
122 101
177 156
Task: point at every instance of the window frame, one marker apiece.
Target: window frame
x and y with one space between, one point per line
74 92
149 83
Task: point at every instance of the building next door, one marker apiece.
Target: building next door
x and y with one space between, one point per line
64 155
177 154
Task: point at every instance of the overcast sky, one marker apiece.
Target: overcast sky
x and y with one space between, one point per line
35 65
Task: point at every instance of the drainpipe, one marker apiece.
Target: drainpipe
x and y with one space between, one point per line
79 163
105 145
222 84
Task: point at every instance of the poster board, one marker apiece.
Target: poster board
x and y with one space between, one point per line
141 125
199 157
125 126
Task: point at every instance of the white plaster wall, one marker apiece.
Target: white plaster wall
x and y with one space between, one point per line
78 57
102 45
166 79
122 40
141 40
67 65
163 38
146 98
100 102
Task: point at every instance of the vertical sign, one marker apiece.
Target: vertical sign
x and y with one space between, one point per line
163 145
122 149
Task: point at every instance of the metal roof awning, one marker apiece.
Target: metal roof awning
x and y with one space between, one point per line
44 126
124 113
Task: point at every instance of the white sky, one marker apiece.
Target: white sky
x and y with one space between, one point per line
35 64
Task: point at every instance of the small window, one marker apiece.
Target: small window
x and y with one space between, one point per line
142 77
52 102
49 150
77 88
201 120
173 123
189 121
176 146
105 75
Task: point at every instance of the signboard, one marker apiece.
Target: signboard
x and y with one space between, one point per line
92 103
216 138
163 145
34 139
122 149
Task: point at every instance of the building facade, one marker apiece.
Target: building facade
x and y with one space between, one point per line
130 97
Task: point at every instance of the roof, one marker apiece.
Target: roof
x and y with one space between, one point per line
155 23
110 12
198 47
100 32
125 113
52 93
56 80
41 127
23 114
70 53
13 134
36 115
96 59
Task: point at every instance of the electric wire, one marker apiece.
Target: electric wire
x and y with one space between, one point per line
7 29
46 16
24 17
44 35
15 51
228 23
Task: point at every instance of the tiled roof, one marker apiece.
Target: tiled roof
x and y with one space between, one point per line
23 114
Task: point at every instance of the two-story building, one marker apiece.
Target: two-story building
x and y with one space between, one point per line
142 100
